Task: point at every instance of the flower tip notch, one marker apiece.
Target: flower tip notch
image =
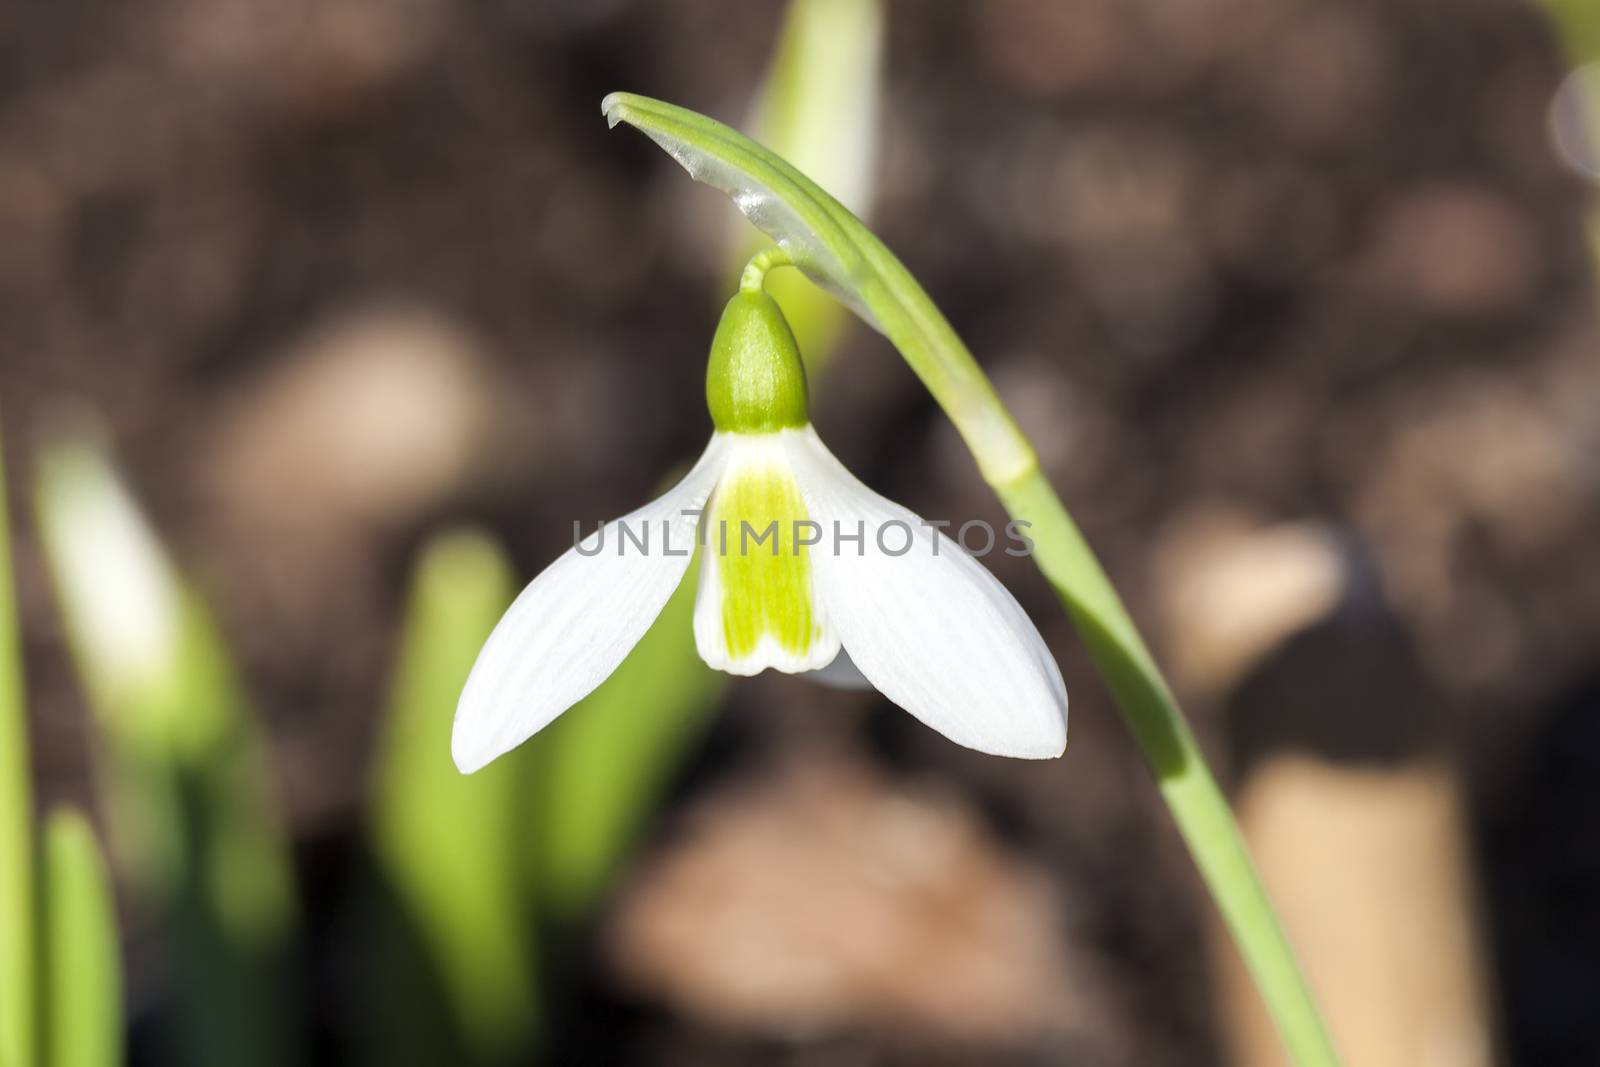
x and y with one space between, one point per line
611 107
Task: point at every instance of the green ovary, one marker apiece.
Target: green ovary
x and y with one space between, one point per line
765 593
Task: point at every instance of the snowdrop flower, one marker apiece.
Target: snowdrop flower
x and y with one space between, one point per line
803 569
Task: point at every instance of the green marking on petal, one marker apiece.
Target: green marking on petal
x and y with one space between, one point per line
765 573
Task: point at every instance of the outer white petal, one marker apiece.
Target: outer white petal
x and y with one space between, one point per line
932 629
576 622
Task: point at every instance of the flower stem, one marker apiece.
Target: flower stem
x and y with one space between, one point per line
755 271
837 251
1186 783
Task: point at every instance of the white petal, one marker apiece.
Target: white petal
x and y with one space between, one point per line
574 623
931 628
756 606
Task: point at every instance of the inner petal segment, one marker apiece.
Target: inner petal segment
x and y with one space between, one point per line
756 606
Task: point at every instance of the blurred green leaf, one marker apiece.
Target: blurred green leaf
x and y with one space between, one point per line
1578 25
607 761
186 777
81 960
818 108
17 1009
450 845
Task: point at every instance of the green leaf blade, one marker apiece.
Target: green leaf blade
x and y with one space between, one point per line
82 959
449 844
17 950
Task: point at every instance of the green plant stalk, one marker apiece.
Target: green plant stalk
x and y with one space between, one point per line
82 967
1197 803
17 1009
837 251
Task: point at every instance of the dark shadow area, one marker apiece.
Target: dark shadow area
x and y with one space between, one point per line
1541 869
1349 689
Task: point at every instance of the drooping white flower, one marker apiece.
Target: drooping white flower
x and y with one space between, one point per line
803 569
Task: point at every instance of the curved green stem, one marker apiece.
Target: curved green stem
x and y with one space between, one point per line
755 272
836 250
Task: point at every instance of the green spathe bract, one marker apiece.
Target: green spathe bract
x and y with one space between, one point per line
837 251
818 108
755 382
